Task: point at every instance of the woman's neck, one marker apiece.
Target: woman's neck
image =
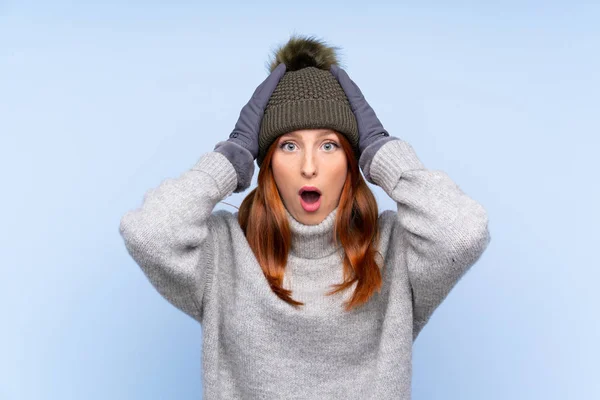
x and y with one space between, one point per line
313 241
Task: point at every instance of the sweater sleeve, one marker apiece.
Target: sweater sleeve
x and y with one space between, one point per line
445 230
169 237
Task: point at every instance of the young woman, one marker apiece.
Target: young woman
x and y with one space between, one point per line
307 292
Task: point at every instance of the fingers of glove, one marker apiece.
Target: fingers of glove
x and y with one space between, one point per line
351 89
362 109
263 92
370 128
248 124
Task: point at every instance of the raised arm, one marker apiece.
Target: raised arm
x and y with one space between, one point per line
169 236
444 230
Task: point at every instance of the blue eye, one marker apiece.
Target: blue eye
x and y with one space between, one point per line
282 145
335 145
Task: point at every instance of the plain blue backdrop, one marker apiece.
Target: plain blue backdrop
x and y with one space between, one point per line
101 101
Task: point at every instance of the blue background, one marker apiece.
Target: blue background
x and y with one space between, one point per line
101 101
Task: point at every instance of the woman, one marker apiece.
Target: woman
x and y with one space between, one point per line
308 292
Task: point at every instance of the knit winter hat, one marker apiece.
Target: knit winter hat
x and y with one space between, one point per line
308 96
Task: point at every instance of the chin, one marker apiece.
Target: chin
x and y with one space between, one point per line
314 219
310 218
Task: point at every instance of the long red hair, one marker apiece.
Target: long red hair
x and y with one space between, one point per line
262 217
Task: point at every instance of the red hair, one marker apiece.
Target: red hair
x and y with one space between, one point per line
262 217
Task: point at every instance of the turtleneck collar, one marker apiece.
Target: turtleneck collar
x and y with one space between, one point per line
313 241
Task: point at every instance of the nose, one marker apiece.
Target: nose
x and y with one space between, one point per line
309 166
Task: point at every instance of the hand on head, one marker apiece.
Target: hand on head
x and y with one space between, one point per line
370 130
245 133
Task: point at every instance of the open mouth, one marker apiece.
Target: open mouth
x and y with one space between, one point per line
310 199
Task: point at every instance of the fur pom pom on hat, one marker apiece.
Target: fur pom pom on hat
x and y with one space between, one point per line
301 52
308 96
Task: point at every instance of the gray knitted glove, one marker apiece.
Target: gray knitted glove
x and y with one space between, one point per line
241 149
371 133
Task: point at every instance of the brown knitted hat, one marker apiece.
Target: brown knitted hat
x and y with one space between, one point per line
308 96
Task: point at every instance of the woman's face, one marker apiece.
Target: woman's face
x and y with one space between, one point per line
310 159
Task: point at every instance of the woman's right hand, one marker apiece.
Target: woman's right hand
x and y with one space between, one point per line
242 146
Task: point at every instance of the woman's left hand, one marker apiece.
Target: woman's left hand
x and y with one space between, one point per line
371 133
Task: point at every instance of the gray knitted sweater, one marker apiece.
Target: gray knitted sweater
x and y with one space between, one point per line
255 346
